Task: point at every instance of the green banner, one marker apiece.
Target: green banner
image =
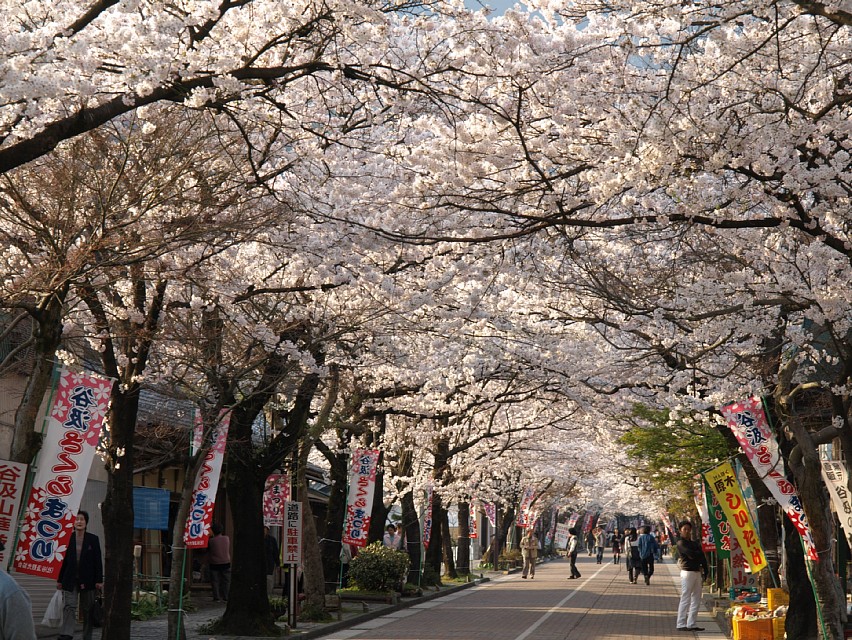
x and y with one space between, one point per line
718 524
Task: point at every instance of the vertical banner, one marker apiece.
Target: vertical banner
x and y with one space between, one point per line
203 501
490 512
748 493
359 503
718 525
561 535
551 530
836 478
723 483
708 542
572 521
12 477
524 515
275 493
427 518
474 534
74 429
291 549
747 420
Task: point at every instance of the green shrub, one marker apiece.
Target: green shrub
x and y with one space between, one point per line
377 568
430 577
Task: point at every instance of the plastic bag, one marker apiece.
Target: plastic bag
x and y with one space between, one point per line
53 615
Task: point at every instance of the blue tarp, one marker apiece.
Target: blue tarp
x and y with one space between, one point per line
150 508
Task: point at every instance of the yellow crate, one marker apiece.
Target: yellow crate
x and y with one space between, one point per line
778 627
776 598
759 629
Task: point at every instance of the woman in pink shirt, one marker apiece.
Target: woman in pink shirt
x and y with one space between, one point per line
219 554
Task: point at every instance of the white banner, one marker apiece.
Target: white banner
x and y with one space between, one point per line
291 549
12 478
74 429
200 515
836 478
562 535
749 424
359 504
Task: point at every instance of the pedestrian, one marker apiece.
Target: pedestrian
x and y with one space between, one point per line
600 543
345 559
529 552
647 545
391 539
80 577
589 540
617 539
693 572
631 552
16 610
270 548
573 543
219 550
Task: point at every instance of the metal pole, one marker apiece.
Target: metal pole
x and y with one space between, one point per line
293 595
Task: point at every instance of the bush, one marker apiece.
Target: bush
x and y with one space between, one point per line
377 568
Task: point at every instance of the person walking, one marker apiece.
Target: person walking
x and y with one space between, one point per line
80 576
589 541
617 539
631 552
219 550
529 552
600 544
573 543
647 545
693 572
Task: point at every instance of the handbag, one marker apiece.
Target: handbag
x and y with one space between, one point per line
53 615
96 611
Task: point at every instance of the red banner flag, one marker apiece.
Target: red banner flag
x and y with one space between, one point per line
362 486
73 432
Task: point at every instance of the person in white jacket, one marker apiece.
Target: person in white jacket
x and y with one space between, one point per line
16 610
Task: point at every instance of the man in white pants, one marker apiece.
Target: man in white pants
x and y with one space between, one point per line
693 572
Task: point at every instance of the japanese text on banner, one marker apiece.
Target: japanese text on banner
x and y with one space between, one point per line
200 516
747 420
427 518
73 432
836 478
276 492
12 477
291 549
723 484
359 503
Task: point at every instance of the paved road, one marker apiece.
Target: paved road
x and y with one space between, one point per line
602 605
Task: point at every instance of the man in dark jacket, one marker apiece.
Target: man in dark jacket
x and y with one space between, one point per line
81 574
693 572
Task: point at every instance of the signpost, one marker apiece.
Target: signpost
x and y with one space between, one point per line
291 555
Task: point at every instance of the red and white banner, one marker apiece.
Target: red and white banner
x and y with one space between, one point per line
490 512
291 550
200 515
74 429
524 515
12 477
572 520
472 518
427 518
275 494
700 498
359 504
748 422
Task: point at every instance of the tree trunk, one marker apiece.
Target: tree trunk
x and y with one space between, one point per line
247 611
463 545
447 545
411 525
117 515
434 553
331 546
47 331
311 560
815 501
801 620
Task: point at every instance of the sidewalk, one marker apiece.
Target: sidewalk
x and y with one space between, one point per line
356 614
